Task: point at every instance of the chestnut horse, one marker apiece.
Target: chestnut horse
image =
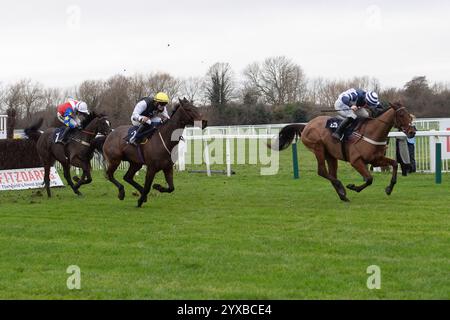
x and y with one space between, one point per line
367 145
156 153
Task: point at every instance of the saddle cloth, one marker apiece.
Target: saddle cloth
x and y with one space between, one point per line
333 123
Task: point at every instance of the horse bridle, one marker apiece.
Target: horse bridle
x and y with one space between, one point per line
361 136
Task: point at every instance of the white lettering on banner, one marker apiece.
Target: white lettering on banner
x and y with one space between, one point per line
32 178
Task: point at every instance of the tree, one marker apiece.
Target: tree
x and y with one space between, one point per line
91 92
419 96
191 88
13 97
219 86
163 82
137 87
116 102
278 80
32 96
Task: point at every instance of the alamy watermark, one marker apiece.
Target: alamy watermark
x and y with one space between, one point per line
74 280
374 280
73 21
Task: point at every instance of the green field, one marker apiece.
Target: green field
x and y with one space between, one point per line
243 237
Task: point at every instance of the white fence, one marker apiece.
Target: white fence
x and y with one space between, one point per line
424 143
3 122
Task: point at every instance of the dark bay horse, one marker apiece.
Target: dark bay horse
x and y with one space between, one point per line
76 152
156 152
367 145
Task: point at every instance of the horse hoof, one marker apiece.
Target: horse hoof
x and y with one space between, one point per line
351 187
345 199
388 191
157 187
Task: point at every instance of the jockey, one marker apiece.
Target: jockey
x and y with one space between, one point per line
350 105
68 114
148 113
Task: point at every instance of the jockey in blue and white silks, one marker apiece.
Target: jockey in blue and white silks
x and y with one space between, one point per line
351 104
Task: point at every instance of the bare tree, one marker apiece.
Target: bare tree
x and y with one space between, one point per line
2 98
91 92
192 88
13 97
163 82
278 80
138 87
32 97
219 85
116 102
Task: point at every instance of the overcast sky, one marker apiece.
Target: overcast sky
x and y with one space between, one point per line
61 43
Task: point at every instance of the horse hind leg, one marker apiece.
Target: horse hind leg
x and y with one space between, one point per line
335 182
323 172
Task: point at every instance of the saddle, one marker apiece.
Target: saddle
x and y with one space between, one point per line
144 135
333 123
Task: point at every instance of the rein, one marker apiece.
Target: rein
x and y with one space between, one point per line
164 144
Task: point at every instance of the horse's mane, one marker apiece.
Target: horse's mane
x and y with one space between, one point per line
91 116
187 106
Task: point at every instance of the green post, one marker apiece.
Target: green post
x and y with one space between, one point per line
295 159
438 163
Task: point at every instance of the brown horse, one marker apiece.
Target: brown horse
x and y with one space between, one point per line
156 153
367 145
77 152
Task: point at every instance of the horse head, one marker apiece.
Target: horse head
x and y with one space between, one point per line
97 123
188 113
403 119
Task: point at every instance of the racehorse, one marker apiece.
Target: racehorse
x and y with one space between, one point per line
366 145
76 152
155 153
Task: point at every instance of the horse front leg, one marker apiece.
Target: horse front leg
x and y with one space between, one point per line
361 167
168 174
66 169
86 177
383 162
148 184
47 180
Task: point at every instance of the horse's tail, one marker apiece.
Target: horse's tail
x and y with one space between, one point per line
286 136
32 132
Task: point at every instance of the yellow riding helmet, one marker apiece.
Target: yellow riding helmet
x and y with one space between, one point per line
161 97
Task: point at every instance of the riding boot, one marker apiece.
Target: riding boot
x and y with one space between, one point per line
135 139
63 136
340 130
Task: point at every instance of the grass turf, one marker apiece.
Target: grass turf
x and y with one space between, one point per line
244 237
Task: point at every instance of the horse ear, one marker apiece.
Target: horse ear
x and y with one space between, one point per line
181 101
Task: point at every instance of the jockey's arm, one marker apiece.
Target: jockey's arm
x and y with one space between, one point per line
138 109
165 115
346 99
69 119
